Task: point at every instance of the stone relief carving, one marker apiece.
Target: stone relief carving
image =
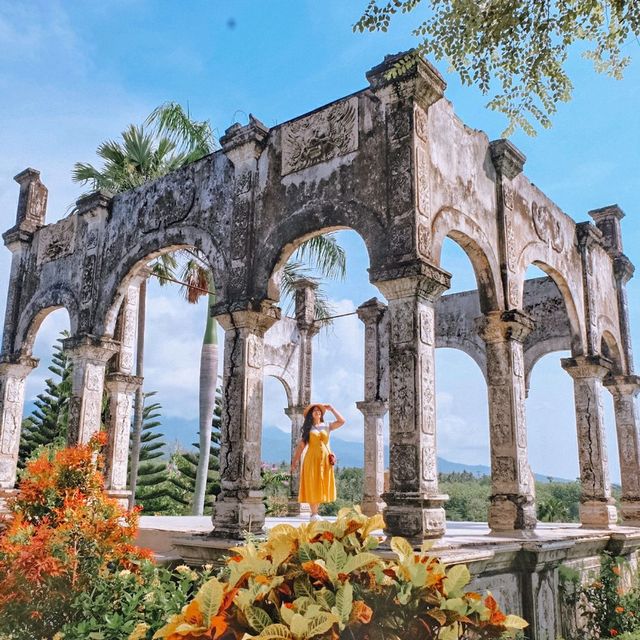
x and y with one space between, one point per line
403 394
243 183
88 268
57 240
426 327
512 259
165 207
547 226
422 180
403 463
507 196
424 240
421 123
429 471
402 324
320 136
398 125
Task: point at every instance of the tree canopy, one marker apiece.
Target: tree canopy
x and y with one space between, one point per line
521 45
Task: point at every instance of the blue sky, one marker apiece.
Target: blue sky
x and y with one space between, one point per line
73 74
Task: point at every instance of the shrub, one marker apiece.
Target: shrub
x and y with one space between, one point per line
322 580
62 531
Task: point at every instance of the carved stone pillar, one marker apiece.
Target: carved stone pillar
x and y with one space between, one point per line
239 505
415 507
12 381
89 357
121 388
597 507
373 412
375 404
512 488
624 390
294 508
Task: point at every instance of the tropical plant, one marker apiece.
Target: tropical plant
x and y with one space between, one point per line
321 580
62 531
275 487
185 464
47 424
522 45
121 604
153 491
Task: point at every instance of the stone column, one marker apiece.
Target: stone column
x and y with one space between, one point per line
89 356
295 413
305 314
121 388
373 412
624 390
597 507
375 404
415 507
512 488
12 382
239 505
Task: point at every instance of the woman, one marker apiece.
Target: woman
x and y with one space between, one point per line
317 480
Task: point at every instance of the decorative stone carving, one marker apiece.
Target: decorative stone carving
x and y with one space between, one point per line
321 136
421 123
422 181
507 196
57 240
547 226
88 268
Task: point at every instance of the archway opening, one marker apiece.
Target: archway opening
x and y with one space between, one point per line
48 386
551 423
461 392
337 375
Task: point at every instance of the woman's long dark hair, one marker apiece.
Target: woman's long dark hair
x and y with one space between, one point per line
308 422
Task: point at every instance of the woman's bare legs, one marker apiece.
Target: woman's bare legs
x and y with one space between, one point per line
314 510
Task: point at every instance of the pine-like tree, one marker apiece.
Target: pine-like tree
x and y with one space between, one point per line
185 465
153 491
47 424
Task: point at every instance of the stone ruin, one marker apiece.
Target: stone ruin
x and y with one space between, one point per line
393 163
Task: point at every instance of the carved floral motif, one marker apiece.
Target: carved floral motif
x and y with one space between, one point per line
321 136
56 240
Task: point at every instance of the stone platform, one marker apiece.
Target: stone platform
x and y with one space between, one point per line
520 569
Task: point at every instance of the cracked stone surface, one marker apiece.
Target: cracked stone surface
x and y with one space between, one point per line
394 163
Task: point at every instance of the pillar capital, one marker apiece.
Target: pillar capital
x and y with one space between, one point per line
371 310
122 382
420 80
255 317
409 279
588 235
19 367
507 158
90 347
293 411
94 202
376 408
586 366
500 326
623 268
244 143
623 385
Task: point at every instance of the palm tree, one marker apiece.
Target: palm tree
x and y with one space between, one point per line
175 139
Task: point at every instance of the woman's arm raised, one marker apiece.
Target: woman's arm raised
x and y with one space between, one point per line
338 422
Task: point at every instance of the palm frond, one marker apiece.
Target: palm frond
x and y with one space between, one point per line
324 254
196 280
194 138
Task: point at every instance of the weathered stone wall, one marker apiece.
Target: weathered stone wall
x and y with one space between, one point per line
395 164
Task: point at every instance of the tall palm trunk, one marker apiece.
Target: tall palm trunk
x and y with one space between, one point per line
138 408
208 383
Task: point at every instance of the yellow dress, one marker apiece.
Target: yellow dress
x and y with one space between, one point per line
317 480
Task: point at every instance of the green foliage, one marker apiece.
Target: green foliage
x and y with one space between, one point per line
275 485
468 496
558 501
606 610
120 602
184 465
47 424
153 489
521 45
350 489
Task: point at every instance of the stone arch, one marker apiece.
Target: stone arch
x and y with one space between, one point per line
610 349
470 348
153 245
465 232
59 296
313 219
286 379
571 308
